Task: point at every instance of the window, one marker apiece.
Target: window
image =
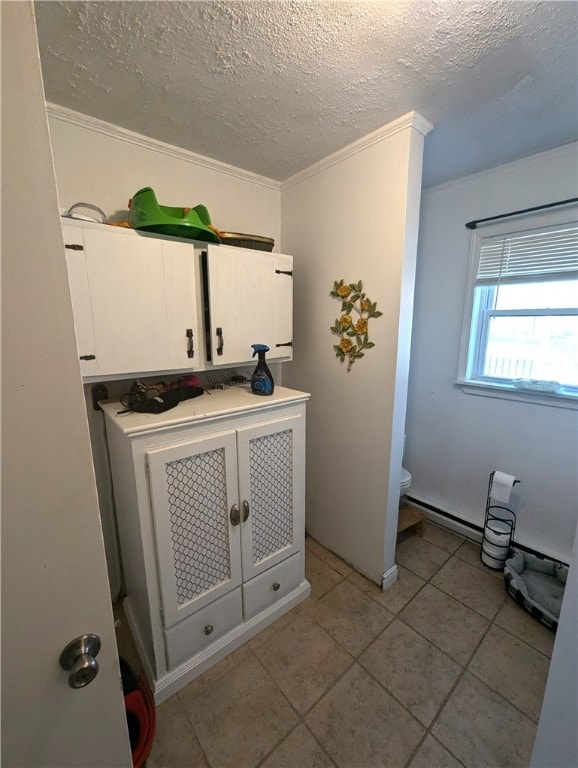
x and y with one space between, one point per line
522 311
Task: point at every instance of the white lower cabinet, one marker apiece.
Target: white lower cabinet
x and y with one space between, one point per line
210 507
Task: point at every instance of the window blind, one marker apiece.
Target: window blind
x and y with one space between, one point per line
534 254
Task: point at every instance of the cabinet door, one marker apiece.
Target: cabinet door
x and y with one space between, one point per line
126 280
80 296
193 486
241 296
283 349
180 279
271 481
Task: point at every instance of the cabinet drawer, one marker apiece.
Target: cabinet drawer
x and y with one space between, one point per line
264 590
190 636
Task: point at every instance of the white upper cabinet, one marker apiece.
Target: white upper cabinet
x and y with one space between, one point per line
182 296
134 301
127 294
248 301
144 304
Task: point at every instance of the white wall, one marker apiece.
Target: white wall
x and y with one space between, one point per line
454 440
99 163
355 217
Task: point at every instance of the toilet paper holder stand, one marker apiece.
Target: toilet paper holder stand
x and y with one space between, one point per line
499 529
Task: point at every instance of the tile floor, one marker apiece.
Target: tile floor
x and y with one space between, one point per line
442 670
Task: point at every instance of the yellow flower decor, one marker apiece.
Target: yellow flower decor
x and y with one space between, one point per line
352 300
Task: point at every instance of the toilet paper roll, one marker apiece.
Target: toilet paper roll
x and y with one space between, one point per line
498 532
502 485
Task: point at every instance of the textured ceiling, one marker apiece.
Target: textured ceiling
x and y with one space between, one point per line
272 87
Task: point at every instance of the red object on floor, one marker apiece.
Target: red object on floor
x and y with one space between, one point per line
140 714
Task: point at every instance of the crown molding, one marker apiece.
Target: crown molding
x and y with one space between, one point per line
546 156
56 112
409 120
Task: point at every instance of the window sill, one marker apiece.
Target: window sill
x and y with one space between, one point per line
504 392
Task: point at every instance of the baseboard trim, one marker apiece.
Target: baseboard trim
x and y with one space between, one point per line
467 529
389 578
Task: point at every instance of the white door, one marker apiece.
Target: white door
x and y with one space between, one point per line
127 294
242 302
271 484
54 584
184 343
193 489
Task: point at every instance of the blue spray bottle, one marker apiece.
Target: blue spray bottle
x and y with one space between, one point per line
261 381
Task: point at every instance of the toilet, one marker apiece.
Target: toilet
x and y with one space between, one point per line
405 484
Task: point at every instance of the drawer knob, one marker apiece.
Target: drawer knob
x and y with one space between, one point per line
276 586
208 629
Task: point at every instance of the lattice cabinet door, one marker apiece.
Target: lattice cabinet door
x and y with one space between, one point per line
271 492
193 488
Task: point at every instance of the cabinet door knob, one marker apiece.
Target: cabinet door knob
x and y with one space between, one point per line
245 511
220 341
208 629
235 515
276 586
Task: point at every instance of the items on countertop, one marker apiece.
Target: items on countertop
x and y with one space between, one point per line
160 397
262 380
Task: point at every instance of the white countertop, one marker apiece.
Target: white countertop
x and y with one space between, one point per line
235 399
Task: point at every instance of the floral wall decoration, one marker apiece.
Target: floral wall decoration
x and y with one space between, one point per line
353 325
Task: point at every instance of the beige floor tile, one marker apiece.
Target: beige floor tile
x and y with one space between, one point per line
431 754
470 553
241 717
320 575
365 585
484 730
441 537
350 616
451 626
266 634
304 661
299 750
360 724
420 556
175 743
202 684
518 621
328 556
513 669
417 673
471 586
393 598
